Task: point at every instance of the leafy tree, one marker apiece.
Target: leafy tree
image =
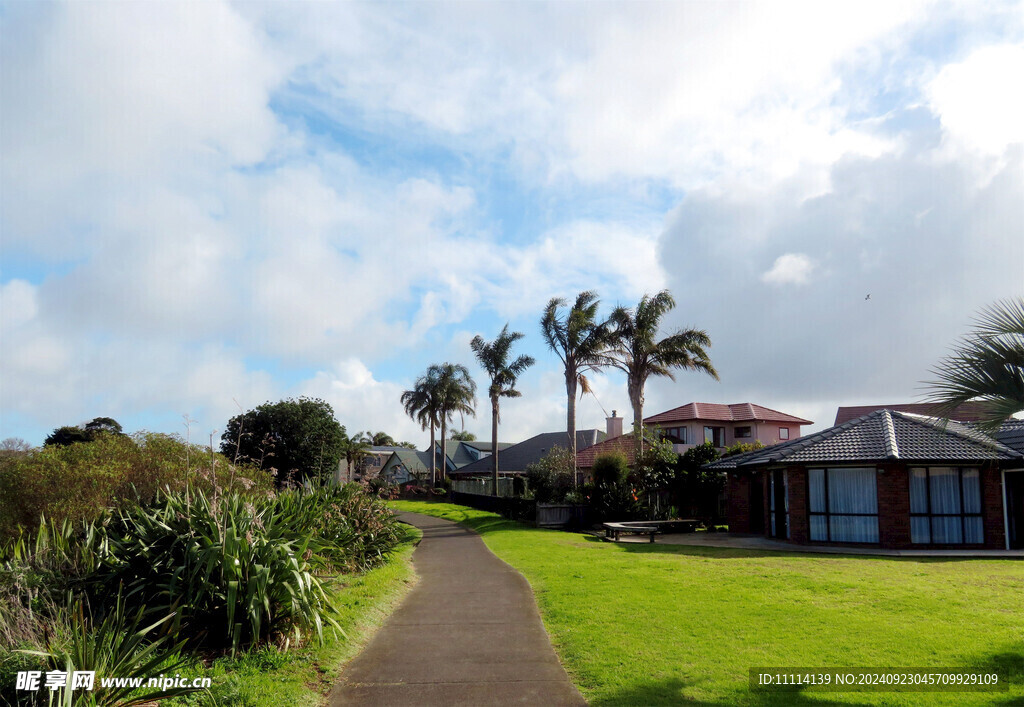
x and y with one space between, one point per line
551 478
697 487
743 448
462 436
295 438
421 404
614 495
654 467
454 391
610 468
15 445
494 357
407 445
103 424
987 365
381 439
63 436
640 355
581 342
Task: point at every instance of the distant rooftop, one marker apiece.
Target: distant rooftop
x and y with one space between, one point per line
736 412
967 412
516 457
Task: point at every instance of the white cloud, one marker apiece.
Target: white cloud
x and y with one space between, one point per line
924 237
789 269
979 100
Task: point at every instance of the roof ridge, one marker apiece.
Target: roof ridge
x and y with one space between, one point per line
892 448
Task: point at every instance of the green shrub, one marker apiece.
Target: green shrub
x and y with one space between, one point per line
234 571
550 479
611 468
79 481
355 530
120 645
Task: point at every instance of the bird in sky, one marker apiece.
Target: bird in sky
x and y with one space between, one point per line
868 297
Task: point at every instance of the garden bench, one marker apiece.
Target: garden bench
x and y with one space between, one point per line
616 529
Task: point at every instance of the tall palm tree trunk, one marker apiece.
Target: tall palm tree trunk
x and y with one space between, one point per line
433 458
494 440
570 419
636 400
444 450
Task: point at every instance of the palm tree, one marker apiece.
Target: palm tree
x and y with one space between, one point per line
420 404
640 355
581 342
987 365
454 392
381 439
354 450
493 356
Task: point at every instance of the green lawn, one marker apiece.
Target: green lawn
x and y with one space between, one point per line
641 624
269 677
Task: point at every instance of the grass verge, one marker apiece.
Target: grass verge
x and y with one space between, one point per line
641 624
268 677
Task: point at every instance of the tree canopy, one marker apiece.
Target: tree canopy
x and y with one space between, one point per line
72 434
640 354
296 438
495 357
581 341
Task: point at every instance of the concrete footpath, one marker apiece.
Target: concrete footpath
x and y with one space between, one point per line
469 633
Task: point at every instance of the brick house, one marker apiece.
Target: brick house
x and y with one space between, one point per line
889 479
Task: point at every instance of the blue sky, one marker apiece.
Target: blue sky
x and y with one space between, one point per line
211 205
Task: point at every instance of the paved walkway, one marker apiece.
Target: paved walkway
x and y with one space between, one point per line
469 633
758 542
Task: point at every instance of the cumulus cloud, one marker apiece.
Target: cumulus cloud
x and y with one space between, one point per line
974 100
789 269
207 194
928 239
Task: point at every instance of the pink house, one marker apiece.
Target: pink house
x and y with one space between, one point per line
725 425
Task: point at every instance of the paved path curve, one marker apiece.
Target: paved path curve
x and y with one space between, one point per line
469 633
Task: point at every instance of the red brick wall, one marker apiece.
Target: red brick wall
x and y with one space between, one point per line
992 507
738 508
799 525
766 490
893 506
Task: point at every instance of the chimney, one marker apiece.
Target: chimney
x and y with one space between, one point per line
614 424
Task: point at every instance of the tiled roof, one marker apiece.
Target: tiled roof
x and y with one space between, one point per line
1011 433
622 443
882 435
737 412
967 412
516 457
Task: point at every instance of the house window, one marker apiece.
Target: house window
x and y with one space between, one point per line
843 505
715 435
742 433
677 435
783 433
945 505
